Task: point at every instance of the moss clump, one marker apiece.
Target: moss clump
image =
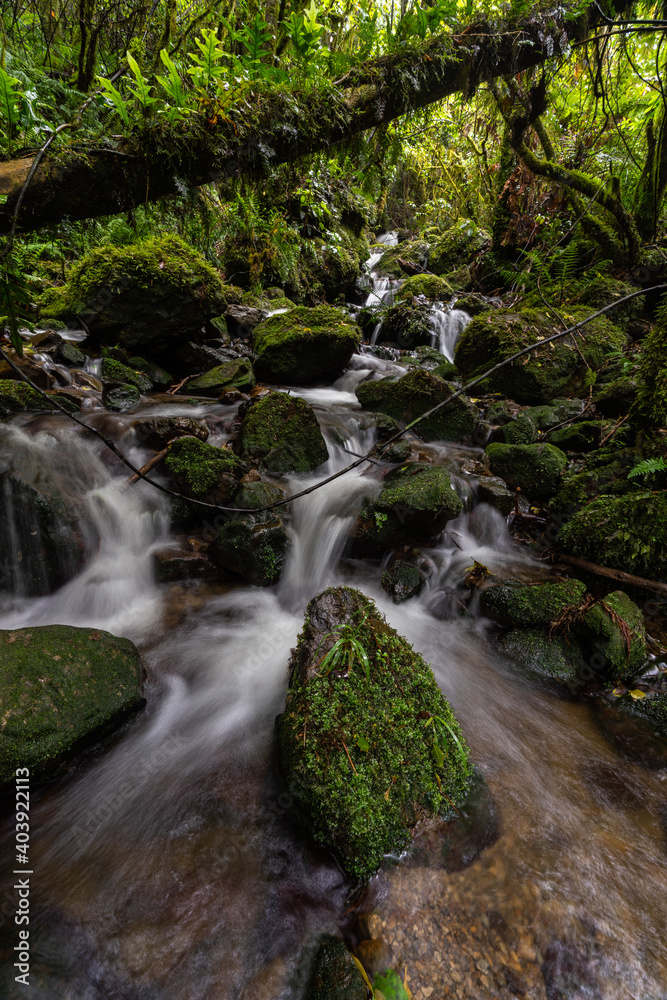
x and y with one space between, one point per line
202 471
145 296
557 412
282 433
304 344
114 371
514 605
252 545
650 406
16 396
416 502
625 532
428 285
237 373
585 435
413 252
59 687
367 751
603 472
535 468
558 369
620 651
414 394
521 430
457 246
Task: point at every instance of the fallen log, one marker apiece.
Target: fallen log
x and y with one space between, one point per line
618 575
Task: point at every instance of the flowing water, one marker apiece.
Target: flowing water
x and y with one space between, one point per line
172 866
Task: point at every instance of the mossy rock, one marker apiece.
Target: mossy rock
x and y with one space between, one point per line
412 251
603 472
253 545
542 655
617 398
624 532
457 246
474 304
160 378
157 432
148 296
386 428
369 748
429 285
257 493
203 472
61 687
416 502
493 491
414 394
558 369
114 371
334 269
650 406
119 398
520 430
585 435
402 580
16 397
426 357
555 413
535 468
613 638
515 605
408 324
70 355
598 291
237 373
304 344
281 432
335 975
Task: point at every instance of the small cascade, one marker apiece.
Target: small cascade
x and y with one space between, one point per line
448 325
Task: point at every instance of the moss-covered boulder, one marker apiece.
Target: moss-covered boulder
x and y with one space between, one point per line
535 468
160 378
386 427
368 745
625 532
414 394
416 502
558 369
402 580
61 687
429 285
16 397
253 545
412 252
237 373
602 472
116 372
304 344
335 976
148 297
613 637
539 654
157 432
559 411
520 430
407 324
119 397
616 398
203 472
457 247
493 491
515 605
281 432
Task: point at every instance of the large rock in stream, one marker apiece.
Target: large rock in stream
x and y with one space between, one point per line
414 394
61 687
304 344
368 744
204 472
281 432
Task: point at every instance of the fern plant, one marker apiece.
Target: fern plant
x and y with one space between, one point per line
648 468
10 108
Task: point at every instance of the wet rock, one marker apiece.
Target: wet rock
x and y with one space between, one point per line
41 378
387 427
70 355
515 605
172 565
237 374
535 468
61 687
557 369
157 432
160 378
458 246
475 304
367 745
417 392
429 285
148 296
230 397
616 398
413 253
613 637
416 502
494 492
242 320
408 324
304 344
402 581
582 436
627 532
254 493
282 433
119 398
120 374
194 359
18 396
335 975
639 727
204 472
252 545
521 430
543 655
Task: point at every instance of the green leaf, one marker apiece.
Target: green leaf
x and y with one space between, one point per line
438 755
363 743
116 98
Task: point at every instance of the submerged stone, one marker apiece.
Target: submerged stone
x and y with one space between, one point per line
304 344
414 394
544 655
535 468
335 975
282 433
61 687
368 744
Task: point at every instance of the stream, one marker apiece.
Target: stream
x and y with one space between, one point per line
171 865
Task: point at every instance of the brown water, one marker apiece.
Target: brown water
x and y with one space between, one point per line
172 867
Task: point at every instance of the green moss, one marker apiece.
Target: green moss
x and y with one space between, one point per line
358 751
535 468
119 398
625 532
252 545
413 252
585 435
282 433
60 686
304 344
558 369
407 324
521 430
158 376
414 394
416 502
515 605
114 371
545 655
429 285
202 471
604 472
237 372
402 580
621 652
16 396
457 246
650 406
335 975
